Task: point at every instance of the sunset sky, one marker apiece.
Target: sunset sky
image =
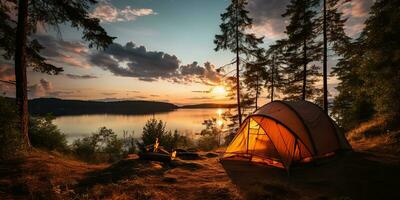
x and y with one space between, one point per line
164 51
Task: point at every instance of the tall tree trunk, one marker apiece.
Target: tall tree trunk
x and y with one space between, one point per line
237 69
325 65
272 78
304 70
257 90
20 70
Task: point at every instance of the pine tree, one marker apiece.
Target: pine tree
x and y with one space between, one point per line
253 76
302 48
274 75
234 37
369 70
352 105
379 67
26 52
334 36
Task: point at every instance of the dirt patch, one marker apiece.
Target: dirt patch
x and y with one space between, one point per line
186 165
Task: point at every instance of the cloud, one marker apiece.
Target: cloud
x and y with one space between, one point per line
135 61
357 8
75 76
6 72
43 88
130 60
109 93
61 53
107 12
47 86
353 30
268 20
357 12
6 75
267 16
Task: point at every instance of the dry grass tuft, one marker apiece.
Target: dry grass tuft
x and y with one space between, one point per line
371 136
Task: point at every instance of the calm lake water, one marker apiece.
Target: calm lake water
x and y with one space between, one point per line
186 121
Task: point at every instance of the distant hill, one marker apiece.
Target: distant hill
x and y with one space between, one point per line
59 107
208 105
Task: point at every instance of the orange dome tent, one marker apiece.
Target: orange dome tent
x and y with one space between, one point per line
282 133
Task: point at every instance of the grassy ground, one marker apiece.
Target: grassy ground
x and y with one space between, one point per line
371 172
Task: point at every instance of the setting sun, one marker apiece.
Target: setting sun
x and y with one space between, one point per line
219 91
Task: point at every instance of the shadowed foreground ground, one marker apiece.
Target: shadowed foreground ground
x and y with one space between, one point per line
354 176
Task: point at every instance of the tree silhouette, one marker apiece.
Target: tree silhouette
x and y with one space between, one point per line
235 22
302 48
333 35
253 76
276 62
26 51
369 70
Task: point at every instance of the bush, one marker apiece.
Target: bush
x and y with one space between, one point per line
154 129
10 137
45 135
103 146
208 142
129 142
210 136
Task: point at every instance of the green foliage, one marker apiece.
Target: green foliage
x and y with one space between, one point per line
369 70
379 66
49 13
301 50
234 26
235 37
10 138
154 129
103 146
45 135
210 136
129 142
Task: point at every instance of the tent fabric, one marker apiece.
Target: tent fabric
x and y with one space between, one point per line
282 133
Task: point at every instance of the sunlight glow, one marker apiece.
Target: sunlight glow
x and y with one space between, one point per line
219 91
219 112
220 123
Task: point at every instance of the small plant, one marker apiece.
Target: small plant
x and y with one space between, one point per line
210 136
156 129
10 137
46 135
103 146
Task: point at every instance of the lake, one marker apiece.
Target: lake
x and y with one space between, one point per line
186 121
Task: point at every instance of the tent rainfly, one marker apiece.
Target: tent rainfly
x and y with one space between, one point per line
283 133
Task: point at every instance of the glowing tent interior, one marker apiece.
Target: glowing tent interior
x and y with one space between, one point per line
283 133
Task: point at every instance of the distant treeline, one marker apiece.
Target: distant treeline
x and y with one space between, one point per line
59 107
209 105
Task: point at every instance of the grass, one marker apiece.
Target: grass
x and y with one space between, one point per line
371 172
370 136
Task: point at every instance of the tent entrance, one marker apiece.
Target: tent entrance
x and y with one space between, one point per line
253 143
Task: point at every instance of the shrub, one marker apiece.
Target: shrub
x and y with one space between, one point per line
154 129
46 135
210 136
208 142
129 142
10 137
103 146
